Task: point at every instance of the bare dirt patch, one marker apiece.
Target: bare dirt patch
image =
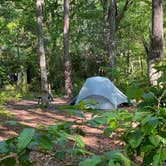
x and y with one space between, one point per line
27 113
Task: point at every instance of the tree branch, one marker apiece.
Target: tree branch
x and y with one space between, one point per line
120 15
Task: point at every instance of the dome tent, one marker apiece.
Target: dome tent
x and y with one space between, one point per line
100 93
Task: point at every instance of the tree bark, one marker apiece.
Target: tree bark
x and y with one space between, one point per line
156 45
113 16
105 7
112 34
67 66
41 52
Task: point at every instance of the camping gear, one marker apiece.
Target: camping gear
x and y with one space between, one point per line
100 93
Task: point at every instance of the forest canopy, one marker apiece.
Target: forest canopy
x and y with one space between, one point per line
48 48
89 41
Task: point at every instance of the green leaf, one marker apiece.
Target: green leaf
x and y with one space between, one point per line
154 139
113 163
11 140
90 161
78 141
3 147
24 159
135 138
77 113
110 154
108 130
123 159
134 93
44 142
25 162
156 159
146 118
101 120
8 162
163 153
125 115
60 155
163 140
64 126
148 158
148 97
71 110
113 123
25 138
77 151
117 156
147 148
150 125
153 122
138 116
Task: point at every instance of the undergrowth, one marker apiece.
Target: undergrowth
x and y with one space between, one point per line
143 131
5 113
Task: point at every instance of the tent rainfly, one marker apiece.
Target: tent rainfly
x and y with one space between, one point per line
100 93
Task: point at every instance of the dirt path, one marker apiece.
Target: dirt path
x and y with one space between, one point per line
27 113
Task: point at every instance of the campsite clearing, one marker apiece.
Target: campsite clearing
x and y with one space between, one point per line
27 113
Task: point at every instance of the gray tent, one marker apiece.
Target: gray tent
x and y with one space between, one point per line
100 93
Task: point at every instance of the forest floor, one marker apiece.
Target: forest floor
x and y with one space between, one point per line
28 113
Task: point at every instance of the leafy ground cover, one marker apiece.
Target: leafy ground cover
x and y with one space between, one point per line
67 135
26 113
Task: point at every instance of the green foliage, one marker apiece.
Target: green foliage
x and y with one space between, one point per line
154 98
8 95
25 138
5 113
44 140
134 92
3 149
91 162
73 110
143 132
111 158
146 135
113 119
9 161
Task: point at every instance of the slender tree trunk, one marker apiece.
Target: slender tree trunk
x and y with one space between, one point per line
105 7
41 52
67 66
112 34
156 45
128 59
19 75
141 66
22 77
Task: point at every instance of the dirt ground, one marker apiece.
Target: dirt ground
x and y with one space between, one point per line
27 113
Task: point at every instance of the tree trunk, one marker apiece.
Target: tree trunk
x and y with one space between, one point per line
105 7
112 35
156 45
24 83
41 52
67 66
128 59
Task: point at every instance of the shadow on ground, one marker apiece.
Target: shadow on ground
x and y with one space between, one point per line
27 113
